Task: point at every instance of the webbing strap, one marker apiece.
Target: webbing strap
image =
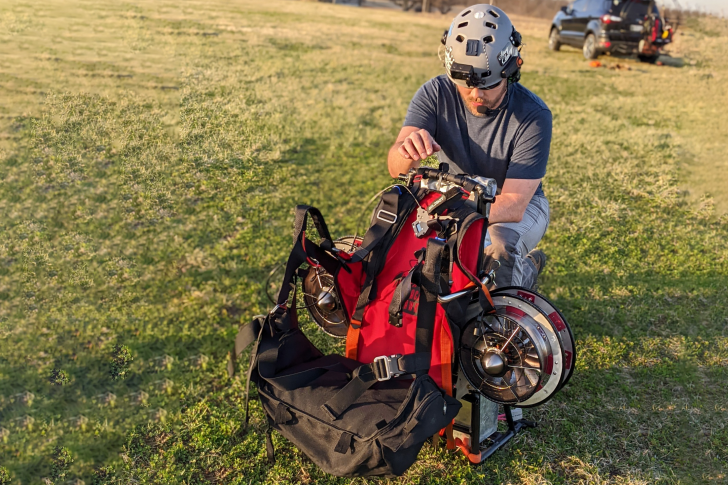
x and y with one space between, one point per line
401 295
298 253
247 335
365 376
429 290
384 217
352 341
282 414
299 224
344 444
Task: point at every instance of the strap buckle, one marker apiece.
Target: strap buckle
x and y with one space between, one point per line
391 215
387 366
275 309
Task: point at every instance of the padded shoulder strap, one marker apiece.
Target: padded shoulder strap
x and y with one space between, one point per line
298 253
299 224
385 216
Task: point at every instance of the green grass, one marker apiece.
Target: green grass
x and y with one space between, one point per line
152 152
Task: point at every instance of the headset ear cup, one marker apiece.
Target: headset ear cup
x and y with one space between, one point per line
516 38
512 70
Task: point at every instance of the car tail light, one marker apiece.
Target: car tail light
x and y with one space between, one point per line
608 19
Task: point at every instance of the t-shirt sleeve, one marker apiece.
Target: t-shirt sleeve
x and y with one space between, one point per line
423 108
531 148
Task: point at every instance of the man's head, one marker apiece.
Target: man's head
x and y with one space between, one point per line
482 48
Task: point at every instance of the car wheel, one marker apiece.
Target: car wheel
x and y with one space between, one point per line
590 47
554 40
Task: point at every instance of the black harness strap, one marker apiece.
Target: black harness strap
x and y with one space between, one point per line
299 223
384 217
365 376
404 289
401 295
429 290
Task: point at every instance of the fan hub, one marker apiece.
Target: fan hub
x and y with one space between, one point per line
326 301
494 363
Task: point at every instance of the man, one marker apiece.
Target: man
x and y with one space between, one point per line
481 121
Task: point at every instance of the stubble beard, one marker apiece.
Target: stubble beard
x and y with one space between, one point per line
469 100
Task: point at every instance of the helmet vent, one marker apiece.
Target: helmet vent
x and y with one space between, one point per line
491 25
488 39
464 24
459 38
494 14
465 13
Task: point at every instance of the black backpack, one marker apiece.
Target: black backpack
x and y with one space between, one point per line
349 418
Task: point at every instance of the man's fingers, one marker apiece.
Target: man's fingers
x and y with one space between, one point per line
403 151
430 143
427 142
411 150
419 144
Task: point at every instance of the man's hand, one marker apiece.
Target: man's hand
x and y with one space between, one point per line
412 145
418 145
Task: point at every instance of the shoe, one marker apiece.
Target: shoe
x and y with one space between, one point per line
539 259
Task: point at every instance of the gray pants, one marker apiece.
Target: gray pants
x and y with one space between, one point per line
510 242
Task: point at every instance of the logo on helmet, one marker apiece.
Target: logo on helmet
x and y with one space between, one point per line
506 54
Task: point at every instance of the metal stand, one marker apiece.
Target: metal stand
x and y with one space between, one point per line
471 432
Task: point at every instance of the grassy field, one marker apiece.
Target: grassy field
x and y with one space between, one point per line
151 154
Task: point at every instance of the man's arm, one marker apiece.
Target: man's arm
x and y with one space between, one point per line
511 204
412 145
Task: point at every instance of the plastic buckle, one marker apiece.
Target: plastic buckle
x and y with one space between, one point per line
386 367
387 213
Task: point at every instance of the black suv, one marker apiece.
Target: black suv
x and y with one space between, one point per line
610 26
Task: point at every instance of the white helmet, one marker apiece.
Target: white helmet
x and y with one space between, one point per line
482 48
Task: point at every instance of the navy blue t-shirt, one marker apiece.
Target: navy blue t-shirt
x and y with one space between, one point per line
512 141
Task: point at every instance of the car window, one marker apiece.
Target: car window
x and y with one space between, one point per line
594 6
579 6
633 10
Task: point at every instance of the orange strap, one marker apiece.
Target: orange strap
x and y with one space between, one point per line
487 295
352 340
485 290
446 360
446 355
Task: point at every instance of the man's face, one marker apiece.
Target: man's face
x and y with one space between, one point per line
474 97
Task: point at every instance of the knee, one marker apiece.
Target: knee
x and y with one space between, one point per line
504 243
